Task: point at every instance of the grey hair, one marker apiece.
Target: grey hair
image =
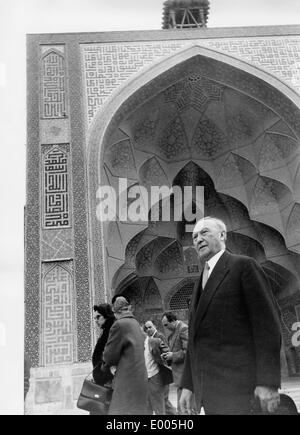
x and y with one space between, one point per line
121 304
221 225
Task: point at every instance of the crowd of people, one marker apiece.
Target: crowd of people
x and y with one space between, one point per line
137 360
225 361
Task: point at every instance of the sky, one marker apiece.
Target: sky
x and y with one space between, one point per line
18 18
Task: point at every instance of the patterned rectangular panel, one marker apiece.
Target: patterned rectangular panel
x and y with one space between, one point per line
56 201
58 338
53 83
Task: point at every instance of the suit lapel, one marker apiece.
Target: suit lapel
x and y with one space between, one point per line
196 293
195 297
173 337
218 274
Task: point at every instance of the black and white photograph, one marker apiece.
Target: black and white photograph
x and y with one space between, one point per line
150 225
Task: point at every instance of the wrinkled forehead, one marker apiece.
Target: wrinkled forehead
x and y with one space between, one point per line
208 223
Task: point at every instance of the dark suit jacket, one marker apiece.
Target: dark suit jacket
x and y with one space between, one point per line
178 341
235 339
157 347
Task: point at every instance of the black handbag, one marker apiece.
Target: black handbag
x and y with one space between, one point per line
93 397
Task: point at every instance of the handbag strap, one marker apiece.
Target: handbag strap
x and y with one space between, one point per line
94 368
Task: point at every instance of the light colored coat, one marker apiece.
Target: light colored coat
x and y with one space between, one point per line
125 350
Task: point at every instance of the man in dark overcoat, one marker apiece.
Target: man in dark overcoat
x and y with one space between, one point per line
233 354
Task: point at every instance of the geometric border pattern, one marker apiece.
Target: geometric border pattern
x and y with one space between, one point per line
108 66
32 216
81 254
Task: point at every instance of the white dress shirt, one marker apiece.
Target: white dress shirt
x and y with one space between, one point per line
151 365
213 261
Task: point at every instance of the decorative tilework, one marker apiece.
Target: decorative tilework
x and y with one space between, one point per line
174 143
208 140
235 171
143 130
152 174
239 216
293 229
264 198
56 200
243 245
53 85
194 91
58 323
187 93
106 66
109 65
131 250
120 160
144 259
32 216
280 55
276 151
152 299
57 244
79 185
170 260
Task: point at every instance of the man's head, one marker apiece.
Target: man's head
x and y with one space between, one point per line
169 320
120 306
150 328
209 237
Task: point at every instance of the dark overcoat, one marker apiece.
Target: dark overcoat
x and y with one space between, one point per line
234 335
102 376
125 350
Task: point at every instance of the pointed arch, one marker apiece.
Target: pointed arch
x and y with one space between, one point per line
220 68
157 69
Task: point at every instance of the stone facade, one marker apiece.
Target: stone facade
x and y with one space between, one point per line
217 108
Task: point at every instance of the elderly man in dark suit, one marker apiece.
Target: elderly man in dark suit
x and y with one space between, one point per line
124 354
233 354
